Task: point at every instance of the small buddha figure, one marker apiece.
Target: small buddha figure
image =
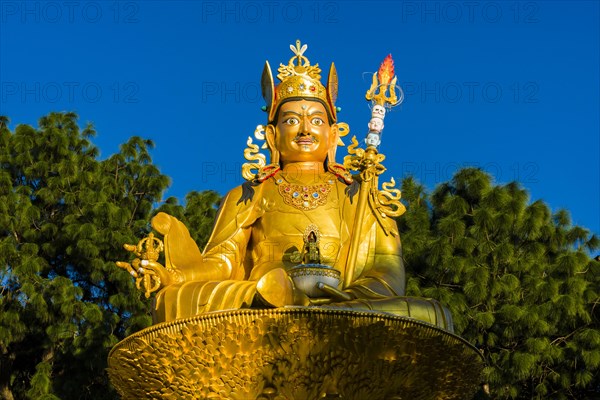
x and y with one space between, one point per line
260 227
310 253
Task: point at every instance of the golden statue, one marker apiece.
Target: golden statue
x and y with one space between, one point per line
304 236
261 224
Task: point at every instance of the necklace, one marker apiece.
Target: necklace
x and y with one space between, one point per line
305 197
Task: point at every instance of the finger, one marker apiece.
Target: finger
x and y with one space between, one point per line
320 301
330 290
127 267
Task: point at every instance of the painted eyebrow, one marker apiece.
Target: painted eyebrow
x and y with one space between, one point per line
295 113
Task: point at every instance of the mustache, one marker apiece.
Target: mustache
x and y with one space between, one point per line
305 137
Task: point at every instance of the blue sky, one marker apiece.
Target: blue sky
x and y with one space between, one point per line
512 87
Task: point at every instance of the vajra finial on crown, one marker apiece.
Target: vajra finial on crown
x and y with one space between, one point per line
299 53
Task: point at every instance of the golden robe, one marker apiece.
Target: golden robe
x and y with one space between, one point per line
254 236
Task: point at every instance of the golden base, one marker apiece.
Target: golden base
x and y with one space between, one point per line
295 353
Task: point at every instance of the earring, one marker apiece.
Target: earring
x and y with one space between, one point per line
274 156
333 148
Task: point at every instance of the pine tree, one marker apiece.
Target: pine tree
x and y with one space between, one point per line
64 215
518 279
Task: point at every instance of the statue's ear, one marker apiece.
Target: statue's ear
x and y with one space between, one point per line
334 137
332 89
270 138
268 89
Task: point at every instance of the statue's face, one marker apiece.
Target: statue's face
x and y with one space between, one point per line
302 132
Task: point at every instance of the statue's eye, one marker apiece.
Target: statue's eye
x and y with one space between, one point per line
317 121
291 121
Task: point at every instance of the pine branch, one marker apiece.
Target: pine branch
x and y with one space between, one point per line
564 338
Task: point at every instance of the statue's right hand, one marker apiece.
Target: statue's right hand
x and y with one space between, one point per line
127 267
153 268
149 275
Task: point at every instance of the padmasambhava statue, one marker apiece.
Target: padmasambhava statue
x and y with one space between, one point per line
302 208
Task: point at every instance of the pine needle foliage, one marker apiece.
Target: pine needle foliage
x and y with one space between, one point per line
198 213
519 280
64 215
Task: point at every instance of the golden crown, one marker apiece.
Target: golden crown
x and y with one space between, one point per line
299 79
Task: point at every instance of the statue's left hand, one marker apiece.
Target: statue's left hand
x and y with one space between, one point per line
336 295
